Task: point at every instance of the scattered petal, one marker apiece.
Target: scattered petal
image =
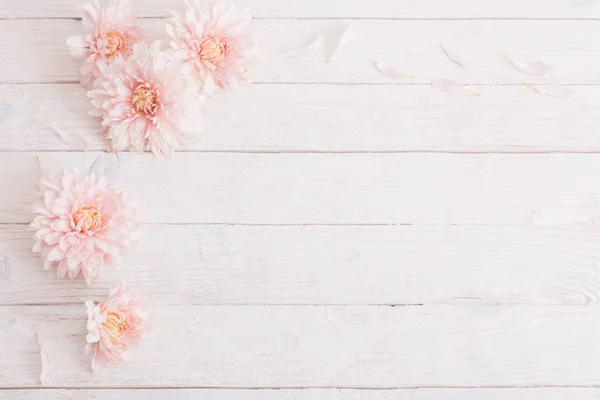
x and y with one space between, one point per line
343 39
452 57
309 48
530 68
453 88
391 73
107 165
4 267
554 91
45 360
5 109
78 144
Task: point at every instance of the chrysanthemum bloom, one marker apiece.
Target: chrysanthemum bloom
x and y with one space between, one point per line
144 102
82 224
113 32
114 325
214 41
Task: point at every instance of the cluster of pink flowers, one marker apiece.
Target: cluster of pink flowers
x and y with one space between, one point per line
149 95
80 227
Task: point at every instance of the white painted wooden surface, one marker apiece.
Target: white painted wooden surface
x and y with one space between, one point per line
332 234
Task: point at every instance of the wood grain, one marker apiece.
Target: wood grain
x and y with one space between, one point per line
330 265
411 46
334 8
276 347
305 394
290 118
333 188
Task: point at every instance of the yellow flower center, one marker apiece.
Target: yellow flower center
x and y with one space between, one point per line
116 326
116 44
88 219
144 99
213 50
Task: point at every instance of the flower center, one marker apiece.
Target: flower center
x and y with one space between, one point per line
145 99
116 326
88 219
213 50
115 45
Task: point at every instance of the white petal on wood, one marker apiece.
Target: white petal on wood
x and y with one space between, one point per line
391 73
452 57
107 165
454 88
404 264
529 67
76 143
45 360
309 48
366 346
554 91
341 40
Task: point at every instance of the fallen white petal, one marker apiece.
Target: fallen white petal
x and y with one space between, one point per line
343 39
453 88
107 165
309 48
452 57
530 68
45 360
556 92
391 73
78 143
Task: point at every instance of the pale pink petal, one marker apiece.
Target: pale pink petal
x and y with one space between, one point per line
309 48
453 88
530 68
343 38
391 73
45 360
452 57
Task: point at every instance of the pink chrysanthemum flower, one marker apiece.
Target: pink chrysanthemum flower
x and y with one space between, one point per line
114 325
144 102
113 32
214 42
82 224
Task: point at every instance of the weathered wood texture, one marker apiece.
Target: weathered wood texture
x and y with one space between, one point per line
410 46
190 264
308 118
336 8
277 346
333 188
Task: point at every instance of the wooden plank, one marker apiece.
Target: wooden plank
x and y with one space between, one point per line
275 347
411 46
330 265
278 117
334 8
305 394
333 188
